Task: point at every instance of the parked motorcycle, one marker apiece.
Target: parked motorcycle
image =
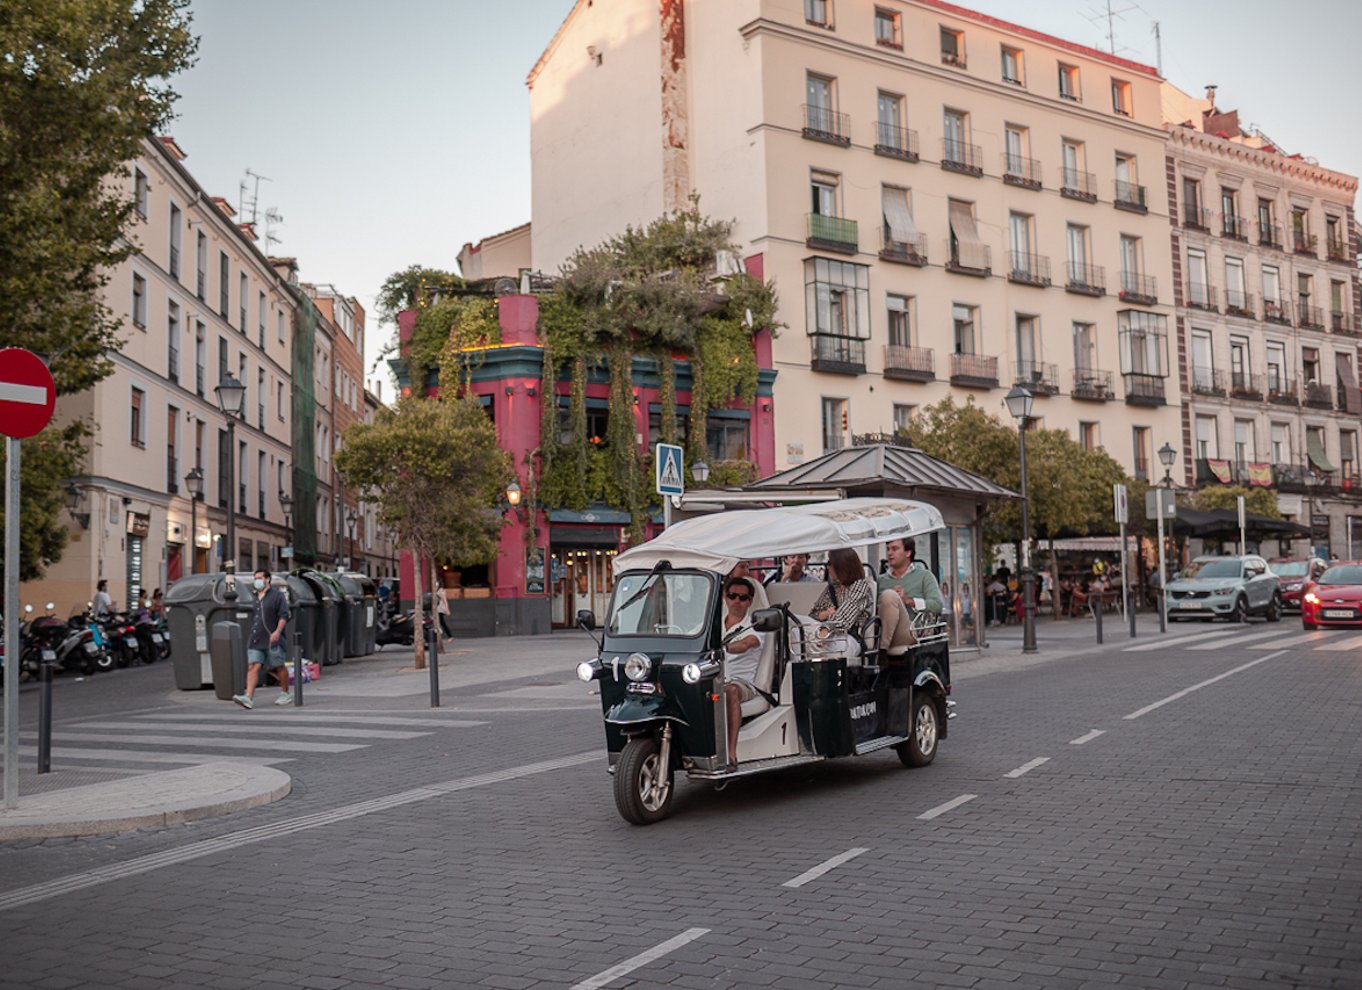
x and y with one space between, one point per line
73 645
123 644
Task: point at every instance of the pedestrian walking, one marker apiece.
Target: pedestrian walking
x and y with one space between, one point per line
442 614
103 603
265 648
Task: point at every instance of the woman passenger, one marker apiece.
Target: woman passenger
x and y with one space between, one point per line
849 598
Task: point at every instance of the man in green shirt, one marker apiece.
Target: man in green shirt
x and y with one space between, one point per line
906 585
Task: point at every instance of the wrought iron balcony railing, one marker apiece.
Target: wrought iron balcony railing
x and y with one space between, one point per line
1088 280
1270 235
837 354
1317 395
912 364
1280 389
1037 377
826 125
1028 269
1076 184
1244 385
1208 381
1130 196
974 370
1144 390
1141 289
894 141
1303 243
909 252
1196 217
1277 311
1092 385
1202 297
1240 303
833 233
957 156
1235 227
1019 171
977 261
1309 317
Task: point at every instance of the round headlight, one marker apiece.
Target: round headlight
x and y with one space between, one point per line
638 667
690 673
586 670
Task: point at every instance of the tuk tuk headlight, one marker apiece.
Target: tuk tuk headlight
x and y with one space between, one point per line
588 669
638 667
693 673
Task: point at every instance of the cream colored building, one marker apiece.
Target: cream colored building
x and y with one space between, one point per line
1267 319
506 254
947 204
198 300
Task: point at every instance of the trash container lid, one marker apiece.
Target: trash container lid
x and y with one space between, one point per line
300 591
204 588
323 585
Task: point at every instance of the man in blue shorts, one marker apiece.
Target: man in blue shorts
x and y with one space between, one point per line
265 648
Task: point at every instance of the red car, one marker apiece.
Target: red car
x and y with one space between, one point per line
1335 599
1292 577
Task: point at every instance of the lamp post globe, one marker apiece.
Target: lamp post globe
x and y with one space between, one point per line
1019 403
513 494
701 472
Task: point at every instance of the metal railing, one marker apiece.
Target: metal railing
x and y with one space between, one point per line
834 352
1303 243
1036 376
201 285
1087 279
1317 395
1130 196
981 263
1144 389
974 368
1309 317
1139 288
1280 389
1270 235
1207 381
1336 250
896 141
910 363
1235 227
909 252
835 232
1342 322
1240 303
1244 385
1277 311
1196 217
959 156
1078 185
826 124
1202 297
1020 171
1092 384
1028 269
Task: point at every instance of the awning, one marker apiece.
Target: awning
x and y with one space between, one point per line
970 247
1224 524
898 216
1314 447
1352 397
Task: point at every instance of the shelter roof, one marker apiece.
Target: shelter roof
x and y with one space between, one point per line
895 470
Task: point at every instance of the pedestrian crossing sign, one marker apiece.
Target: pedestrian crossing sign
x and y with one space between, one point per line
669 463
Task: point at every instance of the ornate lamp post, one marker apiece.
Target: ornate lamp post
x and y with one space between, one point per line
701 472
193 483
1167 455
350 525
231 395
1019 402
286 503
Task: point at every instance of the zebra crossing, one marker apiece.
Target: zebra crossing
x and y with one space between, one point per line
1255 638
152 741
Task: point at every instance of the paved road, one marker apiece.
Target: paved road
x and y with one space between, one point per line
1172 813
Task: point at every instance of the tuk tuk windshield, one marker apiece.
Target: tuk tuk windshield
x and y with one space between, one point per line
669 603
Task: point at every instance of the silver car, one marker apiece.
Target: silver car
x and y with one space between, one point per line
1231 587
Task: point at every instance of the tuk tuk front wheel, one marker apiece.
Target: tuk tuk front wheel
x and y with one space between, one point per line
920 749
643 787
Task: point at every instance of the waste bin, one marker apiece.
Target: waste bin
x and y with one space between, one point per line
228 653
360 622
306 617
192 605
327 642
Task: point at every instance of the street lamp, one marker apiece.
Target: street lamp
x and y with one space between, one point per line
74 496
1167 455
350 524
193 483
231 396
513 494
1019 402
701 471
286 503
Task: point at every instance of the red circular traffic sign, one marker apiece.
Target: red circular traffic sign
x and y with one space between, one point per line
27 393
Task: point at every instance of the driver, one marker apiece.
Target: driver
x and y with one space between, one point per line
906 584
743 653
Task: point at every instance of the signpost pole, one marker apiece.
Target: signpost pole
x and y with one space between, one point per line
1243 543
11 623
1163 571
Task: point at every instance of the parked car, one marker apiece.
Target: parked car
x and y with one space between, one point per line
1293 574
1230 587
1335 599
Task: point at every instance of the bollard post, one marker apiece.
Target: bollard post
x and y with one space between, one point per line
433 656
1097 613
45 721
297 668
1130 610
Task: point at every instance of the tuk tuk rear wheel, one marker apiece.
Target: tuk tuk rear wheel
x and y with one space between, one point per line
643 787
920 749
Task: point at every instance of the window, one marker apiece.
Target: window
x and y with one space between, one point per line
967 249
1128 188
726 438
1068 82
172 444
260 396
1191 203
1243 442
1239 363
900 318
818 12
279 399
1347 455
200 357
139 301
964 320
141 192
1207 438
1122 101
243 470
952 47
1198 291
1236 298
173 340
1144 343
903 417
137 427
1281 443
836 424
889 122
241 301
837 298
1089 436
1143 450
1267 213
280 321
1305 285
1077 239
888 28
1310 364
1085 349
1203 362
1132 266
1276 367
222 358
821 106
1024 264
955 126
260 477
260 319
1012 66
1027 334
1016 150
1333 238
176 229
201 266
198 443
1075 180
224 290
1300 229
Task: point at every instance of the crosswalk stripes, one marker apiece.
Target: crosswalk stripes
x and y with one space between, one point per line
1162 644
1351 643
1298 638
1238 640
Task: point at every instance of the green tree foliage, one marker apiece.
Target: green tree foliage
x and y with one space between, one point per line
1257 501
415 287
46 462
433 469
82 82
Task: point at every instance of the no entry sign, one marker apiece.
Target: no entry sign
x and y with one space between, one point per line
27 393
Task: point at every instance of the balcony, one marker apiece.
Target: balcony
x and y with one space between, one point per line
981 255
1245 386
974 371
1130 196
1208 381
833 234
1336 250
1234 227
1309 317
1343 323
1202 297
1078 185
1092 385
827 125
1019 171
1087 280
1028 269
912 252
1240 303
1277 311
1318 396
201 285
1142 290
893 141
1280 390
837 354
1196 218
1303 243
909 364
1270 235
1144 390
957 156
956 59
1036 377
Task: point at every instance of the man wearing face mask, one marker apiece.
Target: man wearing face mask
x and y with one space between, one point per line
269 614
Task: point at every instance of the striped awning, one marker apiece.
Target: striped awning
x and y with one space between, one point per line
1314 448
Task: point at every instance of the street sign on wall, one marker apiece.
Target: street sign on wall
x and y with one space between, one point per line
27 393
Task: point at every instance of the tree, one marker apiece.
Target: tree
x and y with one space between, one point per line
47 462
433 469
1257 501
82 82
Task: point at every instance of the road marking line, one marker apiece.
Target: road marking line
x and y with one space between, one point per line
1309 637
1027 767
1088 738
151 756
33 395
1197 687
263 833
300 715
1160 644
941 809
1241 639
134 729
642 959
823 867
189 742
1351 643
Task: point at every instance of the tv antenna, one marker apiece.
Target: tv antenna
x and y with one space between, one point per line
1111 15
254 200
273 219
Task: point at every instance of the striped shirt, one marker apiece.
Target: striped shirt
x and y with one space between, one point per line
856 603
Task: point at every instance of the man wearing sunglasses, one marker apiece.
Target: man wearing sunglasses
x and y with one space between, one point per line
743 653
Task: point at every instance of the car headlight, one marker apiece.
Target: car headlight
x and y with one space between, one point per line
1294 587
1227 590
588 669
638 667
1312 598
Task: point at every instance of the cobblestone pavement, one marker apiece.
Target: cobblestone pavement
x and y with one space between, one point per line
1180 812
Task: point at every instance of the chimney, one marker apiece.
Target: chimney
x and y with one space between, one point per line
1210 93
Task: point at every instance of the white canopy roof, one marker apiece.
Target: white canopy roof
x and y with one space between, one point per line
718 541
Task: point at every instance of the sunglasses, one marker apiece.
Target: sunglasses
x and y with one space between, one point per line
733 596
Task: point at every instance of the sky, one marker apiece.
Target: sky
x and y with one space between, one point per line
392 133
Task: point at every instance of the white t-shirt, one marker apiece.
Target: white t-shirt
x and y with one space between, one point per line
743 666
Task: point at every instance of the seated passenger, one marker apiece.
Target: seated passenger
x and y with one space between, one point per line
794 569
906 585
742 655
850 597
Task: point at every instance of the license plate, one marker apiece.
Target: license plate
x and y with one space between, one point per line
130 641
156 637
49 655
1338 613
1189 604
91 648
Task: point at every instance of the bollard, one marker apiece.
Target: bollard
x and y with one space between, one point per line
1130 611
433 656
1097 613
45 721
297 668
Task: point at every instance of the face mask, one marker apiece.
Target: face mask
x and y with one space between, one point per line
259 585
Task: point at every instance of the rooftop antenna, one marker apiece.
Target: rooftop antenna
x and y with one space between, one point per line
273 218
254 200
1158 47
1109 14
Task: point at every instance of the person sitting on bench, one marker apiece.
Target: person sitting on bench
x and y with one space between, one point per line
907 583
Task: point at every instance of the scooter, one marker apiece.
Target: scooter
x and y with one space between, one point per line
395 629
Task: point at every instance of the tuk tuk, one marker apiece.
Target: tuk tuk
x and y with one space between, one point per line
822 691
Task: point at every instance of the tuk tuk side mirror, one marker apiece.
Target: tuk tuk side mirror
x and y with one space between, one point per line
586 619
766 619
